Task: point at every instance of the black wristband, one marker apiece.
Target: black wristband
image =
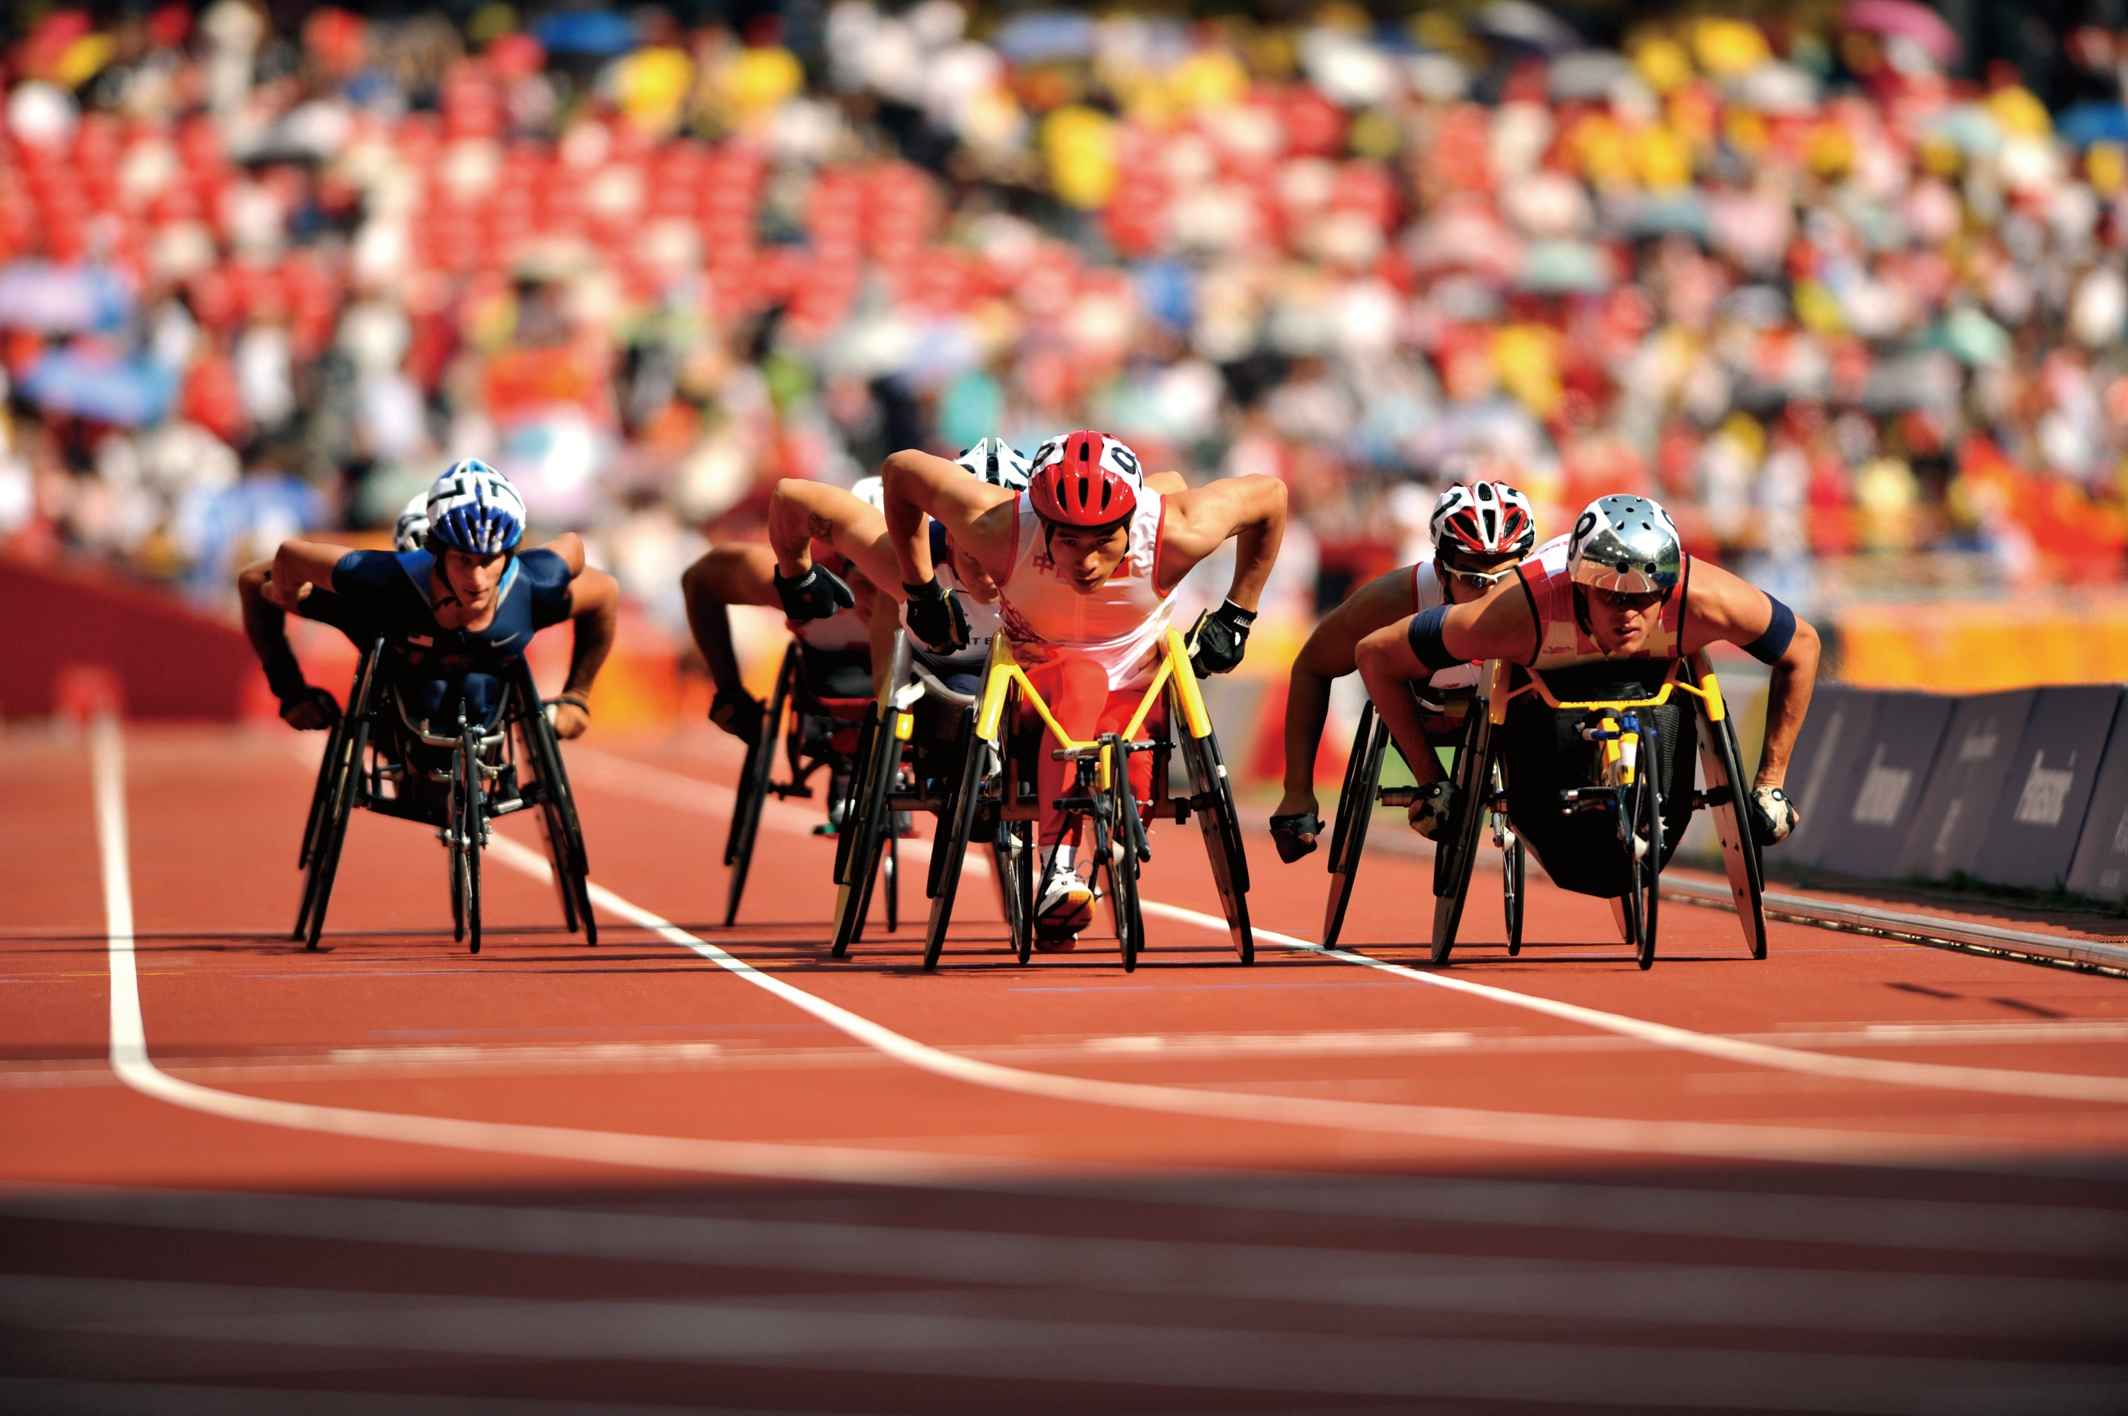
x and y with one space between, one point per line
577 700
1231 611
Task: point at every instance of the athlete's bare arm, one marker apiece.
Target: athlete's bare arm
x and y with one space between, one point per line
802 512
1168 484
1251 510
1331 653
726 575
1495 627
594 615
980 519
1726 608
299 563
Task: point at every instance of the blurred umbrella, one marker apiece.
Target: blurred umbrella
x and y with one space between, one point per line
63 299
1520 22
1776 88
595 32
125 391
1564 268
1587 74
1683 214
2089 123
1046 34
1905 19
1973 337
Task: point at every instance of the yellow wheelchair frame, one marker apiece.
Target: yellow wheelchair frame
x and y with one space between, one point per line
1622 787
1102 794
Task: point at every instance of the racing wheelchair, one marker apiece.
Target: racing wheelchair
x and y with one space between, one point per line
908 752
381 758
812 727
993 798
1363 792
1627 741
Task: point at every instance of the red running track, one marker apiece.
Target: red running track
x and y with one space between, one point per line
717 1170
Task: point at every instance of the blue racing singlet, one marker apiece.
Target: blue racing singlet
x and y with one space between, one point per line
389 590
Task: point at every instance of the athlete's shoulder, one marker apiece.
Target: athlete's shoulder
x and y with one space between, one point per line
543 569
370 571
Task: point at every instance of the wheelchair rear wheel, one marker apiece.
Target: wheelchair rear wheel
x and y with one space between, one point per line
332 836
949 850
1745 859
558 820
320 794
1355 809
1454 858
754 786
1212 798
866 845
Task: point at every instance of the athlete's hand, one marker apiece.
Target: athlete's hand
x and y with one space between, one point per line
310 709
935 616
1432 809
815 595
1773 815
570 715
1220 638
738 713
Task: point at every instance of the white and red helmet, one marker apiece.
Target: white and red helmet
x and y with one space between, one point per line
1482 522
1085 479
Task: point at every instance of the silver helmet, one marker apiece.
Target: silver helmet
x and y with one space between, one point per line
1625 544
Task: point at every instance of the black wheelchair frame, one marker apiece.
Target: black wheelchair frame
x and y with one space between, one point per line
800 727
994 797
370 762
1618 730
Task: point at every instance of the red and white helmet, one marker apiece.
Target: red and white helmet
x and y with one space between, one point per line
1482 522
1085 479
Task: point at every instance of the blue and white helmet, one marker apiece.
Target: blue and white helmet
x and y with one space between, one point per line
411 531
999 463
473 508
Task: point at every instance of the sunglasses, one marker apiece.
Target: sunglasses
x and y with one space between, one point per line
1618 600
1476 579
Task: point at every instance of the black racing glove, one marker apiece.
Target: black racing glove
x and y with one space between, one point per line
738 713
935 616
1773 815
309 709
1218 641
815 595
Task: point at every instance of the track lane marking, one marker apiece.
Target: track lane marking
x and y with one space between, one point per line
1942 1076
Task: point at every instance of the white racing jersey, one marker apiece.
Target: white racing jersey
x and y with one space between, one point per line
1118 624
1561 640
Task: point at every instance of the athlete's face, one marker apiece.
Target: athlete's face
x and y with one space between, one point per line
1086 558
474 579
1621 624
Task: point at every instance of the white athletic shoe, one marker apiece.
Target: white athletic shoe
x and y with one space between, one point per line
1066 907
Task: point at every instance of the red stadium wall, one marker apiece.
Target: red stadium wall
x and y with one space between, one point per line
81 639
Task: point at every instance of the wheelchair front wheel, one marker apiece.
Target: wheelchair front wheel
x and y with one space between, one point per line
1118 839
1012 856
1644 847
949 849
465 830
1212 798
1455 857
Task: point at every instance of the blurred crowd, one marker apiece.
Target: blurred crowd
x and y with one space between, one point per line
1838 291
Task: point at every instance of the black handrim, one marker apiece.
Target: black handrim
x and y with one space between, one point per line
1452 866
952 846
1355 811
576 858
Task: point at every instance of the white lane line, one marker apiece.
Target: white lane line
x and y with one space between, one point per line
1849 1299
131 1062
1995 1080
1020 1337
1685 1138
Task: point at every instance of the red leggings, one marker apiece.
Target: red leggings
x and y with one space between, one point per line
1076 690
